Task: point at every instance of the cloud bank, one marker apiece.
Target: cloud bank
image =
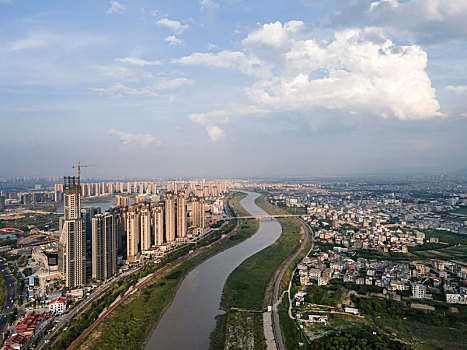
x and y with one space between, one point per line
359 71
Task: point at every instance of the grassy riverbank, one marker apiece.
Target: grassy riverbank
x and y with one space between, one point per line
3 292
130 325
247 284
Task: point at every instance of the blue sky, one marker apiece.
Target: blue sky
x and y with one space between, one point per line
233 88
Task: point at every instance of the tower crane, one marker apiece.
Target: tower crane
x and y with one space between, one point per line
79 166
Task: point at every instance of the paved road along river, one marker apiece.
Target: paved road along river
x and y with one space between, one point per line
190 319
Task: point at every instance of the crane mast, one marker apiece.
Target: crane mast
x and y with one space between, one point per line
79 166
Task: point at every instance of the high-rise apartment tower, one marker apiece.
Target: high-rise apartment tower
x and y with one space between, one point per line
72 245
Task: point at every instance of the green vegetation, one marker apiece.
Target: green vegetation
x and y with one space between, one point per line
3 292
22 261
40 221
294 210
423 329
357 338
44 206
380 255
453 249
245 331
101 199
319 295
12 316
420 335
19 280
446 237
8 241
397 310
462 210
291 332
335 284
132 322
218 336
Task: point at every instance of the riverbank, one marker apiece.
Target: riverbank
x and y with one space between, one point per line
249 288
130 325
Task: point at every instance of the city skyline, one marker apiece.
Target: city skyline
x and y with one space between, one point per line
228 88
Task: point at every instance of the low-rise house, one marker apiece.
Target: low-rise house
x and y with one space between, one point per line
322 281
58 306
400 285
314 273
418 291
318 318
351 310
16 342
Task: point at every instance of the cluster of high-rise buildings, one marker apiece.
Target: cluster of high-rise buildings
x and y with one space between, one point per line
164 222
200 188
89 189
130 231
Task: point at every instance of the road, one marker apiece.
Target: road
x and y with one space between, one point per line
10 299
66 319
275 315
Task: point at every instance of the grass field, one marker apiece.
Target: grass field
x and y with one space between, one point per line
132 322
454 250
41 221
462 210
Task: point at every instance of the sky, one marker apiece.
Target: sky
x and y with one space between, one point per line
229 88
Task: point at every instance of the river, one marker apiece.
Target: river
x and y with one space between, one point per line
190 318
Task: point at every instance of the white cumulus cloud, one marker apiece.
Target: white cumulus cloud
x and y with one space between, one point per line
458 90
128 74
115 7
207 120
118 90
176 26
138 61
173 40
141 140
423 21
166 84
215 133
